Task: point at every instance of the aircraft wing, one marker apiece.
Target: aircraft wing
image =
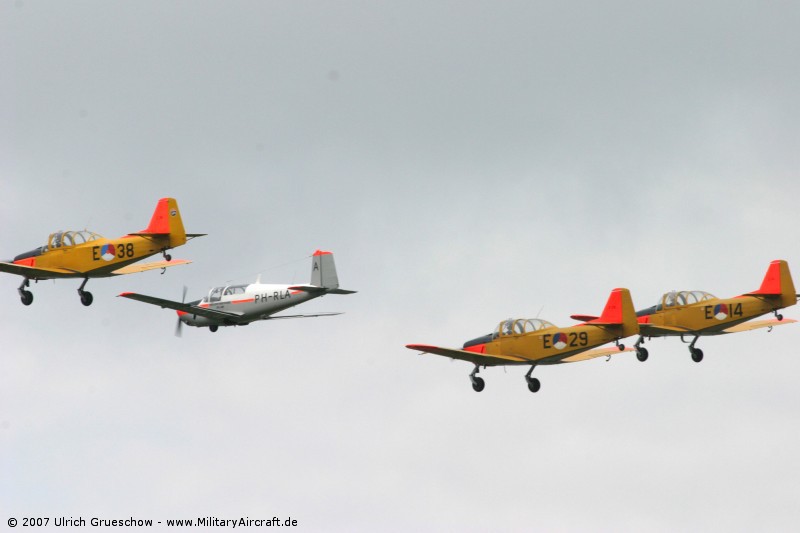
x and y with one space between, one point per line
472 357
299 316
143 267
37 273
756 324
591 354
186 308
650 330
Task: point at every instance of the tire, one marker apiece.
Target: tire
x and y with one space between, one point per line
478 384
87 298
642 354
26 297
697 355
534 385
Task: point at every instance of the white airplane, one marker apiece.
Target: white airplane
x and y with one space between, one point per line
238 305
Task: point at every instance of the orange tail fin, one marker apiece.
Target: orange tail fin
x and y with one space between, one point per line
619 311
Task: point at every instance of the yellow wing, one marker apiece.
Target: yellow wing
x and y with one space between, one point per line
591 354
756 324
651 330
143 267
37 273
472 357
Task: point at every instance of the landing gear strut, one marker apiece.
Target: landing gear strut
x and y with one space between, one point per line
697 353
25 296
533 384
477 383
641 352
86 296
167 257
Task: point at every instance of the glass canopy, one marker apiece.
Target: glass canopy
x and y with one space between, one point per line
518 326
70 238
678 299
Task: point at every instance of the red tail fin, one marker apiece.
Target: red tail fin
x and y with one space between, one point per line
772 280
619 311
778 282
159 223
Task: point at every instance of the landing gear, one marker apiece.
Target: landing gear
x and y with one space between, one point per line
641 352
620 346
167 257
25 296
778 315
214 328
533 384
477 383
697 353
86 296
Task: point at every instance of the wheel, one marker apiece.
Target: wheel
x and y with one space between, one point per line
26 297
779 317
87 298
641 354
478 384
534 385
168 257
213 328
697 355
621 347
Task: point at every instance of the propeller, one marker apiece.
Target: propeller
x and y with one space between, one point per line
179 325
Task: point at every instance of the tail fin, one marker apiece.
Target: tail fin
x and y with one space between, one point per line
778 282
323 270
619 311
323 273
166 220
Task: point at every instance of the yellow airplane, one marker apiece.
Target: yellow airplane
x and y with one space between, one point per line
536 342
698 313
85 254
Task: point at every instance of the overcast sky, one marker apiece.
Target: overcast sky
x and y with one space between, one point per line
466 162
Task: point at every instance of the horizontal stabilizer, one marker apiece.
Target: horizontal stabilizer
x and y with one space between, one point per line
583 318
144 267
313 289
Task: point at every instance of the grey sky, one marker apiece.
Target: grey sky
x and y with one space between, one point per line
466 162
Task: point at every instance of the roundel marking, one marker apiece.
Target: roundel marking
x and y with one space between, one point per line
108 252
560 341
721 311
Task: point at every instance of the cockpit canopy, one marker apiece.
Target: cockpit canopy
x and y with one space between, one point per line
511 326
678 299
216 294
70 238
518 326
60 239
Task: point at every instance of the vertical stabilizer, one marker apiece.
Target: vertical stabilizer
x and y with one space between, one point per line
166 220
323 270
619 311
778 282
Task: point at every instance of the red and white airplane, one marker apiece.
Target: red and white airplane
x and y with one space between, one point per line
238 305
